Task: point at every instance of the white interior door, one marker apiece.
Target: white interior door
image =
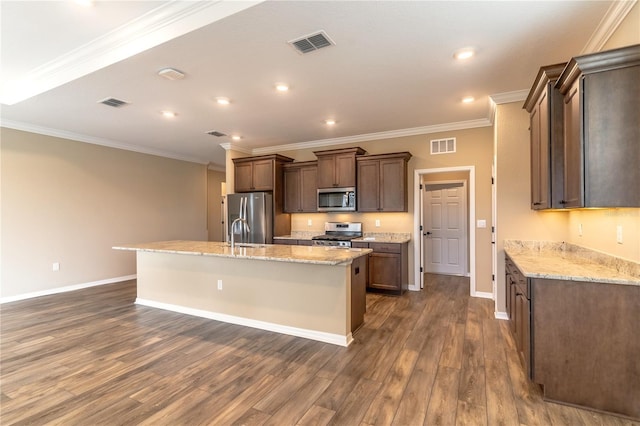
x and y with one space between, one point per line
444 230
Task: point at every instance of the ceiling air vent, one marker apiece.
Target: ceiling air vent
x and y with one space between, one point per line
216 133
312 42
113 102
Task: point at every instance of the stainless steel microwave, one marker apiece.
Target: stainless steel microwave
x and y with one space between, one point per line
337 199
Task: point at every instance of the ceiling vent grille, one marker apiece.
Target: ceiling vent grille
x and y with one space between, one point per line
171 74
216 133
312 42
113 102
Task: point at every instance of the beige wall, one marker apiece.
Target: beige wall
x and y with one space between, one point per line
70 202
474 148
215 205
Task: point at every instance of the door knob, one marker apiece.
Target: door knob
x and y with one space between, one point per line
428 233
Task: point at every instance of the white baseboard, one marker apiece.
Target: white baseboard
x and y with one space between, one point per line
57 290
483 295
334 339
501 315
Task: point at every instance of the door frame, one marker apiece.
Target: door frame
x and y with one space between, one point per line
417 218
467 248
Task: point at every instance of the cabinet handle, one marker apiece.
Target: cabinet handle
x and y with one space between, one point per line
536 204
563 202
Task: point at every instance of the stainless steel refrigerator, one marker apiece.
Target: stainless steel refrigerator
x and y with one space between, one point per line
257 209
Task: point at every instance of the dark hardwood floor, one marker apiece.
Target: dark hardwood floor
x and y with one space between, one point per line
437 357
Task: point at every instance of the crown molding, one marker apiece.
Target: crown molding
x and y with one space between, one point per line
460 125
607 26
509 97
158 26
228 146
78 137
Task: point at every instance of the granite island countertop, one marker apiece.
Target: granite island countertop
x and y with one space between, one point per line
564 261
267 252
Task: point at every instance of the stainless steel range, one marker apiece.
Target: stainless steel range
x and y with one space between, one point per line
338 234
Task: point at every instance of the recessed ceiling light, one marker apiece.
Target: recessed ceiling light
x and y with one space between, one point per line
468 99
330 122
168 114
223 101
463 54
282 87
236 137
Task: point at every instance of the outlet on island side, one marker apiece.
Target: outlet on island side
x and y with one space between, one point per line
219 284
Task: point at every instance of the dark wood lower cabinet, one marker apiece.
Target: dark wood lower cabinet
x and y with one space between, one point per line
291 242
388 267
578 339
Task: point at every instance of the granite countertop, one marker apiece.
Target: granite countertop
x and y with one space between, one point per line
374 237
564 261
299 235
385 237
270 252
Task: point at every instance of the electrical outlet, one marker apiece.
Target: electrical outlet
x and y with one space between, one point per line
219 284
377 223
619 234
580 229
309 222
55 267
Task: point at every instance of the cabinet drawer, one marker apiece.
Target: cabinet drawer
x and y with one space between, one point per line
305 243
358 244
385 247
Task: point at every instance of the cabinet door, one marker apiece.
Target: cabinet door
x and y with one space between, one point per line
326 171
393 185
573 164
308 189
345 170
292 190
243 177
368 192
384 271
540 185
513 290
263 175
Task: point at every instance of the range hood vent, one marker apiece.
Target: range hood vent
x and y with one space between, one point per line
312 42
113 102
216 133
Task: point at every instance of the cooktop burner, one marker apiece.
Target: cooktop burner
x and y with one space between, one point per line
338 234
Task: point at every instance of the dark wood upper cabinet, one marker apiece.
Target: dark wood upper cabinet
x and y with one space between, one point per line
602 129
337 167
265 173
382 182
300 187
258 173
545 106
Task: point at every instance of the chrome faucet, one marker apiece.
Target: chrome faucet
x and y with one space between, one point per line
242 218
233 234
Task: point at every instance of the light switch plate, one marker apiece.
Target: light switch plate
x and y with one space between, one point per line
619 234
482 223
377 223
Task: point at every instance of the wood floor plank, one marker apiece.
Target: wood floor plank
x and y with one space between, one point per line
385 405
316 416
443 403
352 411
501 407
471 414
453 346
300 403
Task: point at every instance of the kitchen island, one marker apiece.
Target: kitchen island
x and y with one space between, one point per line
312 292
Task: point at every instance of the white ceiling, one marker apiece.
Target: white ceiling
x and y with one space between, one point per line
391 72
